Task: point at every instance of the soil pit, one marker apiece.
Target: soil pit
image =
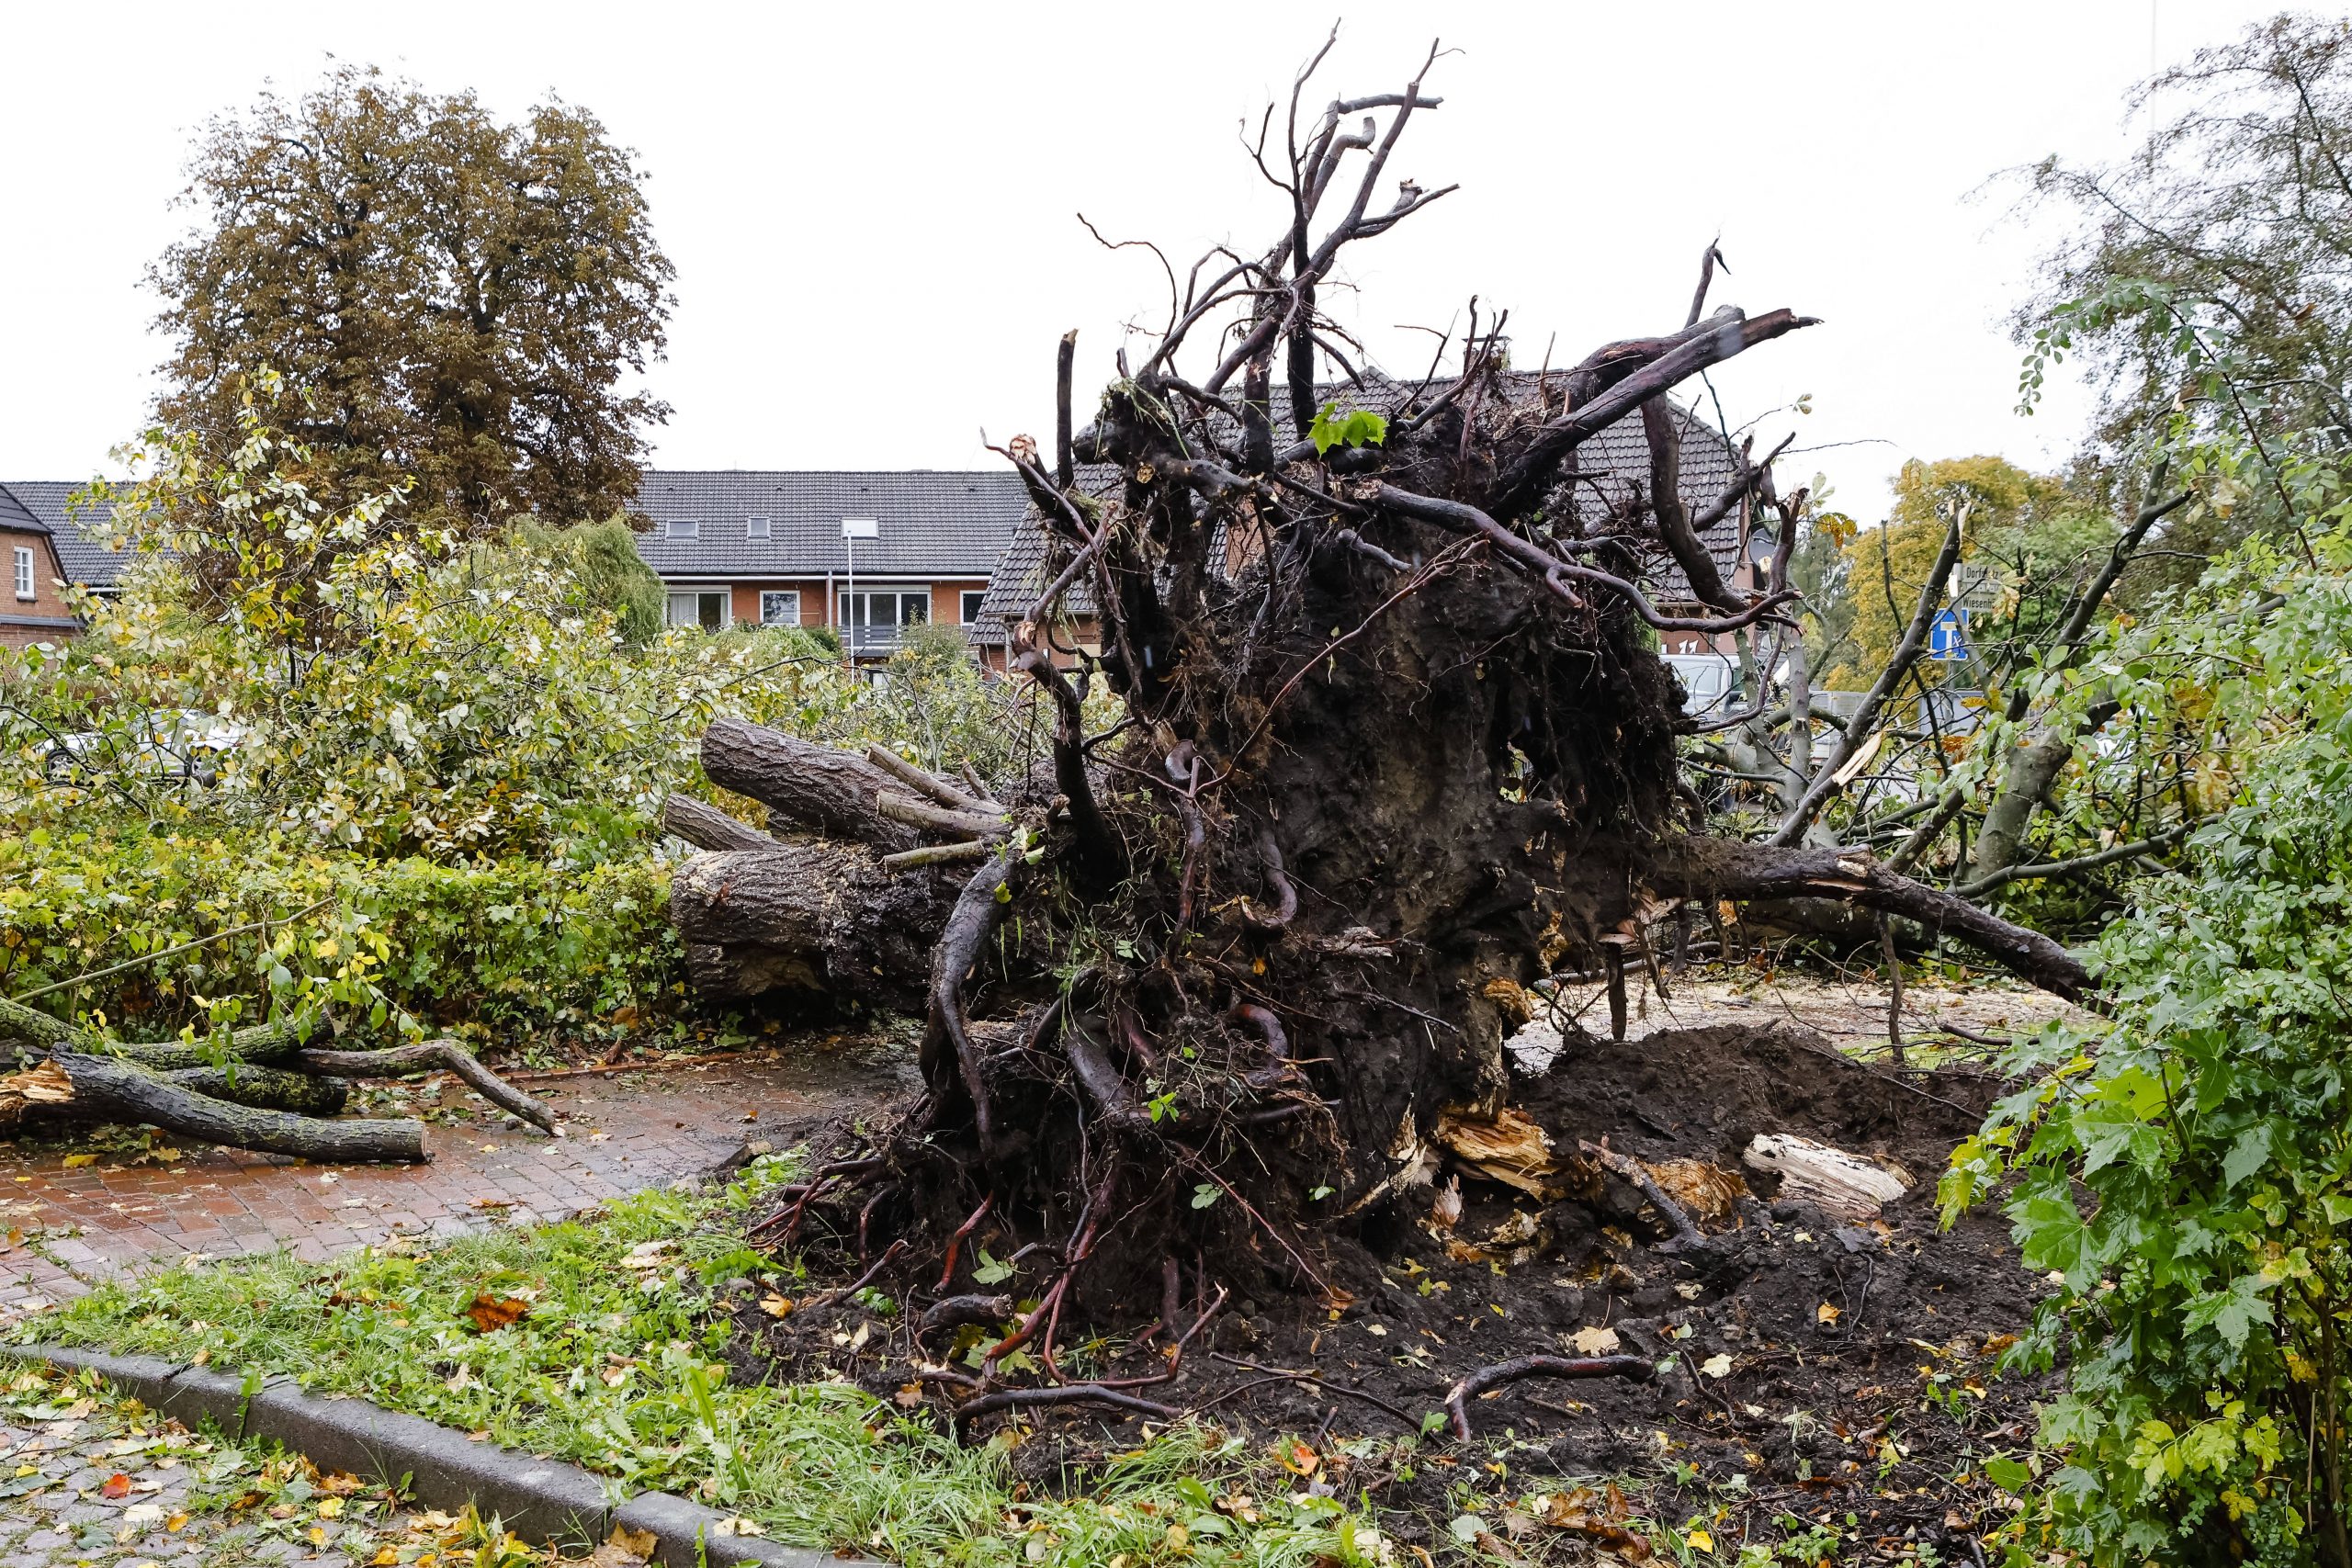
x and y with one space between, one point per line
1818 1370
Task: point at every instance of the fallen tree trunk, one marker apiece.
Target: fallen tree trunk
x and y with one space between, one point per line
816 788
107 1089
264 1089
281 1037
809 921
229 1091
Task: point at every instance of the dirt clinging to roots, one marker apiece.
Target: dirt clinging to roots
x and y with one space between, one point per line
1816 1365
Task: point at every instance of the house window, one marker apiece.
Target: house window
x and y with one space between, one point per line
24 572
682 528
758 528
972 600
704 607
878 618
780 609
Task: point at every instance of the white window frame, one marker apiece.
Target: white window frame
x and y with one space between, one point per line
697 595
779 606
969 602
25 589
863 635
759 527
682 528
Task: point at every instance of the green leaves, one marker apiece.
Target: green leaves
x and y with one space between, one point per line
991 1271
2230 1313
1357 427
2050 1231
2246 1156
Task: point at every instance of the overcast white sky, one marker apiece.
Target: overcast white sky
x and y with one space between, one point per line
871 208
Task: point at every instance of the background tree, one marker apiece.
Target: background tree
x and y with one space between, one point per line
1885 567
457 298
2204 284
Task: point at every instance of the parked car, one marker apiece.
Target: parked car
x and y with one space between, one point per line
180 743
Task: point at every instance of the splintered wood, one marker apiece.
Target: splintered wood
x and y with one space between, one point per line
1846 1185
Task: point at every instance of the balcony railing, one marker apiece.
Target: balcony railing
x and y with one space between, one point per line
873 641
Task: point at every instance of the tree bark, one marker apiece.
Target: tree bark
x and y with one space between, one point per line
707 828
1713 868
107 1089
264 1089
443 1053
816 788
28 1026
810 921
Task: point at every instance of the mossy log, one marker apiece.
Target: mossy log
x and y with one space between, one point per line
29 1026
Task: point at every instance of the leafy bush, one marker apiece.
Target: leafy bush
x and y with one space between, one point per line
439 763
2185 1181
394 942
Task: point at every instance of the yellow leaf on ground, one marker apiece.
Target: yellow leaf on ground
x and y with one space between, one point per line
1701 1541
1594 1341
1827 1314
75 1162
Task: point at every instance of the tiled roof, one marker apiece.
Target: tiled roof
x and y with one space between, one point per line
1614 461
79 554
15 515
933 523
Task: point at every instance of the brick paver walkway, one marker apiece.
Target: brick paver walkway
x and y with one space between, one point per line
61 1229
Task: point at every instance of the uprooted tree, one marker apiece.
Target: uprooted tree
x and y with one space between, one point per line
1396 744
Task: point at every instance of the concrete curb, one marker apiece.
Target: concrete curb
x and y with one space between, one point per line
538 1499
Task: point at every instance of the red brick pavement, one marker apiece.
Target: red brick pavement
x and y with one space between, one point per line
623 1132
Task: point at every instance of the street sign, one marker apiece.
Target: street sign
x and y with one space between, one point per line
1948 639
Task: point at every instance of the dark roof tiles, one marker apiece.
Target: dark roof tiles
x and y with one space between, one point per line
79 554
932 523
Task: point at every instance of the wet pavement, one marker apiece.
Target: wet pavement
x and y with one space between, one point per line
68 1219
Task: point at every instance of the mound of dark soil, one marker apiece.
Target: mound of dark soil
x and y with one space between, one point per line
1815 1367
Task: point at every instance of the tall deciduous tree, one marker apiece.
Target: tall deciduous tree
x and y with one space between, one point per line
2204 283
457 298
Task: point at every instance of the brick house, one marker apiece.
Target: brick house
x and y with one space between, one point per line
737 547
763 547
33 608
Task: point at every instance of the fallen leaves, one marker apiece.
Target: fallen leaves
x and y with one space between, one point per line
491 1313
777 1305
75 1162
1716 1366
1594 1341
625 1548
1598 1515
117 1487
649 1254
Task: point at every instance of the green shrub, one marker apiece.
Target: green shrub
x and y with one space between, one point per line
440 767
392 943
2184 1178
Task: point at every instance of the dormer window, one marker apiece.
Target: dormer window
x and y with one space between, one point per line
758 528
682 528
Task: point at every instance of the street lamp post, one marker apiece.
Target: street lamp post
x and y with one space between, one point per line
852 530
